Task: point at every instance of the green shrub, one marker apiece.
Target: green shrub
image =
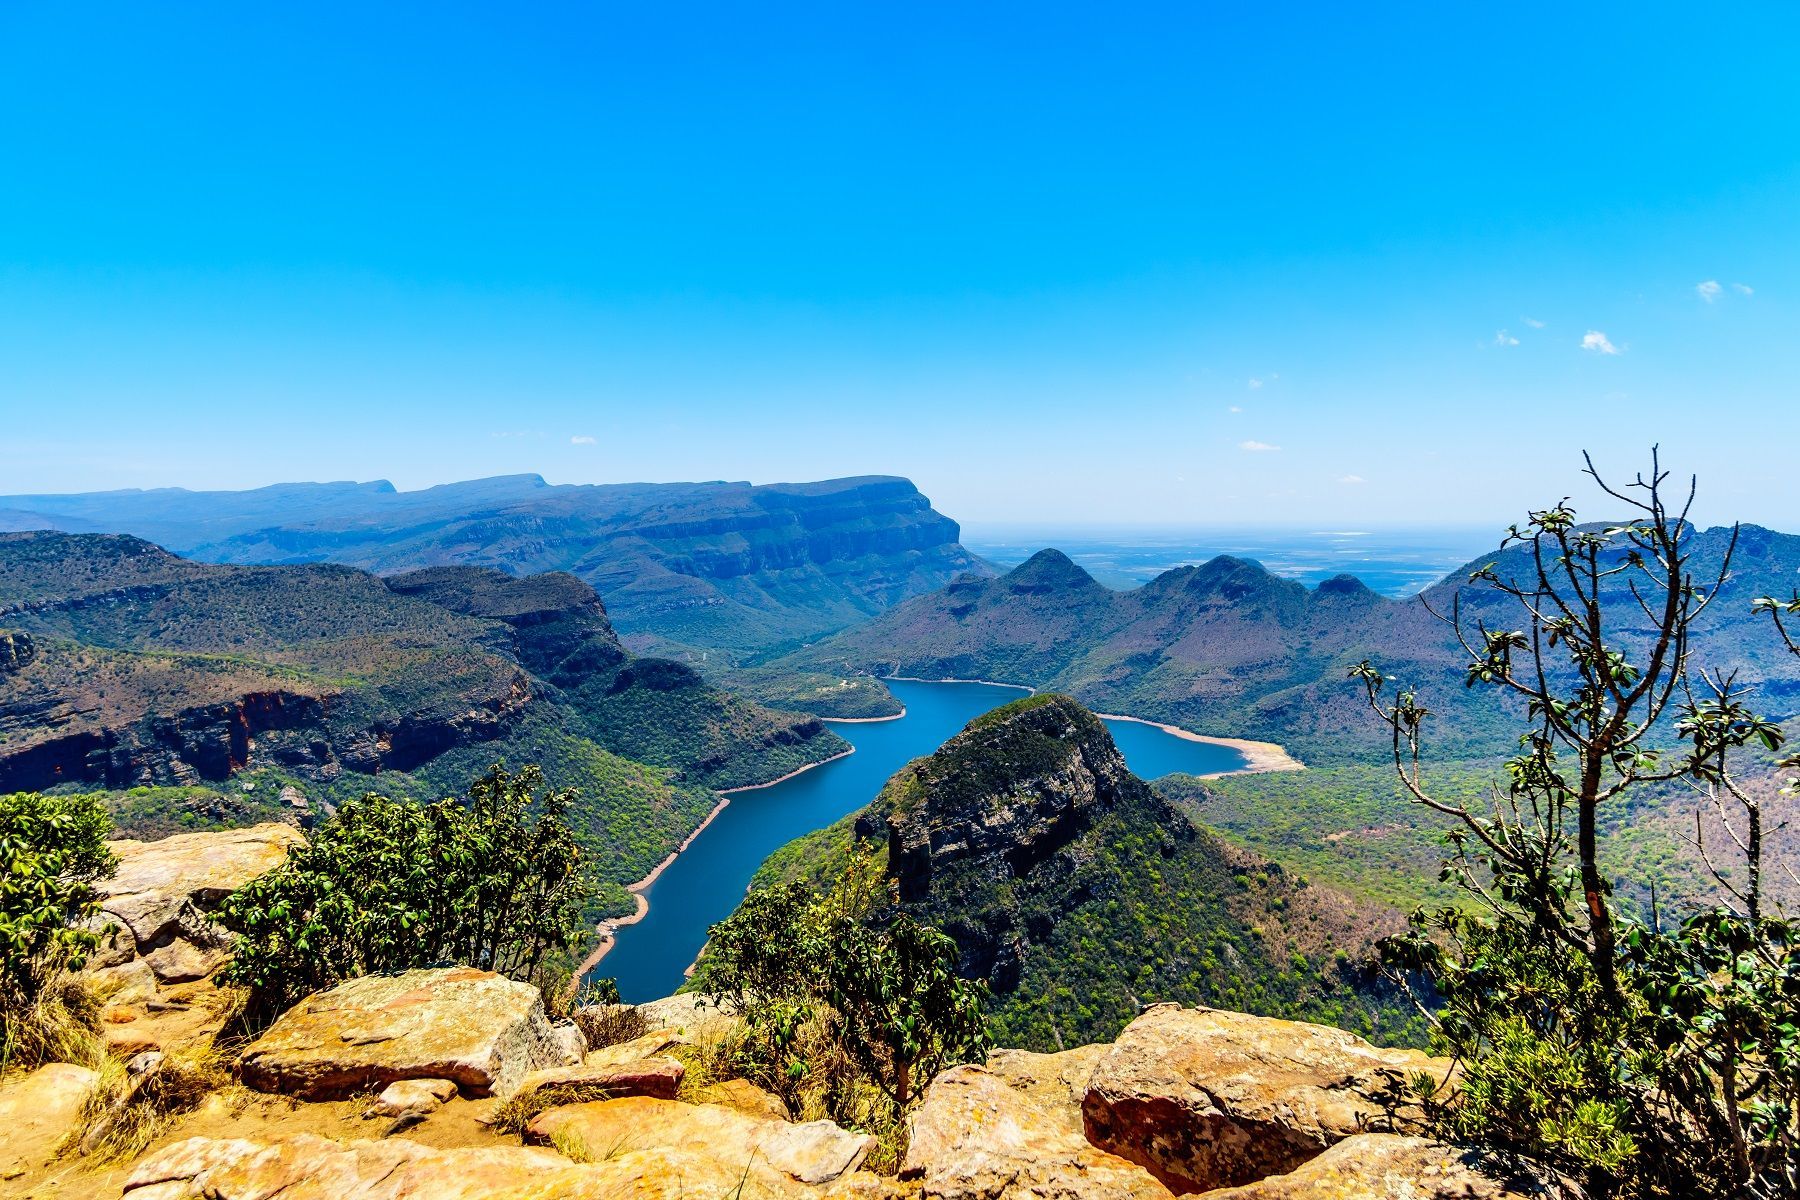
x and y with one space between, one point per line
54 851
842 1000
497 881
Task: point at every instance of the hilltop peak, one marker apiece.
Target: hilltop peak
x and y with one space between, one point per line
1048 570
1347 585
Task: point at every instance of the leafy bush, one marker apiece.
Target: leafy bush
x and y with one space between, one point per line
1648 1061
838 995
54 852
496 882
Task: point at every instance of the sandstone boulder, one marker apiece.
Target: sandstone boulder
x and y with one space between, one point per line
164 892
306 1167
658 1075
479 1030
1385 1166
693 1015
1013 1130
37 1112
1205 1098
746 1097
817 1152
411 1098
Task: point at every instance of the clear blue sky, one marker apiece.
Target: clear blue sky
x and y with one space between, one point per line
1054 263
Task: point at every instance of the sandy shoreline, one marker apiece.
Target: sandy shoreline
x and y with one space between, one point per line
752 787
990 682
863 720
1262 756
608 929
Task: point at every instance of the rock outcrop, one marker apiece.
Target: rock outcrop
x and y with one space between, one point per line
1013 1129
481 1031
775 1152
1386 1166
37 1112
1209 1099
16 650
1186 1102
164 893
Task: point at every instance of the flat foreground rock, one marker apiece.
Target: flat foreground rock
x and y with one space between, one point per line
164 892
814 1153
1012 1131
479 1030
37 1111
305 1167
1205 1098
1383 1166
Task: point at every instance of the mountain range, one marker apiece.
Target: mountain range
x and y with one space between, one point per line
1227 648
128 667
722 567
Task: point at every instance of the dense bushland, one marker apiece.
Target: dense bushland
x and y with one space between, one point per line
497 880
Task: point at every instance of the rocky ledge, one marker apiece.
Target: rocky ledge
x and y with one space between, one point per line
1185 1102
480 1096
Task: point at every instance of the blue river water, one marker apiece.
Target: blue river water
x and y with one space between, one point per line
704 884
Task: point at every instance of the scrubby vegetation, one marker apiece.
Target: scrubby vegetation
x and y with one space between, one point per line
848 1007
1648 1053
498 881
53 849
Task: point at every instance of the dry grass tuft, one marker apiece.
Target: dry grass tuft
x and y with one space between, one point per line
128 1109
514 1115
609 1024
61 1026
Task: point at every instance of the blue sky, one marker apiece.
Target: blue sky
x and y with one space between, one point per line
1112 264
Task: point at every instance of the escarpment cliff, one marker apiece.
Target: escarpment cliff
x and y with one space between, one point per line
130 666
721 566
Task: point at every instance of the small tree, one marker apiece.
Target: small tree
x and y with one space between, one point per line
53 849
497 881
880 988
1653 1062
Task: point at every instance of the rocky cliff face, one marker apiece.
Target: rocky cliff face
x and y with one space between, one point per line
16 651
721 565
1000 799
133 667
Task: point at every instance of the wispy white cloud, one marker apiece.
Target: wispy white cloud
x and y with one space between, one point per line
1258 447
1743 289
581 439
1234 408
1352 479
1533 322
1504 338
1255 383
1598 342
1708 291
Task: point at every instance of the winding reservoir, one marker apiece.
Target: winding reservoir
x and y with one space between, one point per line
706 882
